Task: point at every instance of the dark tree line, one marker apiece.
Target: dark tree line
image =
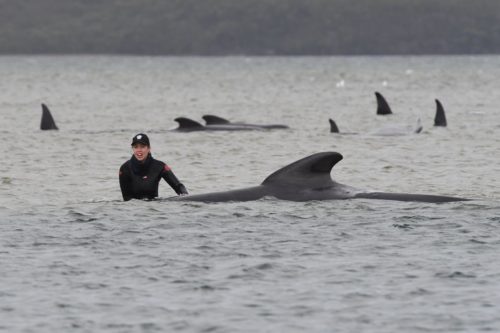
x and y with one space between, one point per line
253 27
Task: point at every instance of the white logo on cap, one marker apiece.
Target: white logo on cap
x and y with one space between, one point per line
139 137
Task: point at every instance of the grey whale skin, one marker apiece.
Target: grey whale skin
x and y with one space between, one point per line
216 120
189 125
440 117
309 179
47 122
383 107
214 123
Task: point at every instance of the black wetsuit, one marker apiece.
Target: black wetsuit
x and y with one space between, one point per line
140 180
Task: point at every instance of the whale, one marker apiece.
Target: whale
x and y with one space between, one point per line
216 120
388 130
383 107
189 125
335 129
309 179
47 122
440 117
333 126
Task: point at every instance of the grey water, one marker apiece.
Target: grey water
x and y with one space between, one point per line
75 257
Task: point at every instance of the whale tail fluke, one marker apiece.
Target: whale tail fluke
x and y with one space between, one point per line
47 122
440 118
383 107
333 126
214 120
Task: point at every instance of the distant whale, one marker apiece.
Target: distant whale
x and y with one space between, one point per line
383 107
335 129
309 179
440 118
215 120
47 122
333 126
189 125
388 130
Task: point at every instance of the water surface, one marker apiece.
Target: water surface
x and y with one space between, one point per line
75 257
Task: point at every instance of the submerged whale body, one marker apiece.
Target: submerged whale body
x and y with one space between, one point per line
216 120
309 179
383 107
47 122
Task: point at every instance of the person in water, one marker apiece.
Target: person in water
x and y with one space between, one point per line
140 176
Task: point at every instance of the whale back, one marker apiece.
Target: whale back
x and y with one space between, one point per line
440 118
311 172
309 179
383 107
47 122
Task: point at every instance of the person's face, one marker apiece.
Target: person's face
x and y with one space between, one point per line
141 151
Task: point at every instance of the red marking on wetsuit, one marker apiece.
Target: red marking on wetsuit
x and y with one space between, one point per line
120 173
167 168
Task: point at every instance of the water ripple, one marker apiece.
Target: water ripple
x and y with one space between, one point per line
75 257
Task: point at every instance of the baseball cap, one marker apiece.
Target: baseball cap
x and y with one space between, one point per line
140 138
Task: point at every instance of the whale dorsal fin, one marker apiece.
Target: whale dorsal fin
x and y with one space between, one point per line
440 118
47 122
333 126
311 171
186 123
383 107
214 120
